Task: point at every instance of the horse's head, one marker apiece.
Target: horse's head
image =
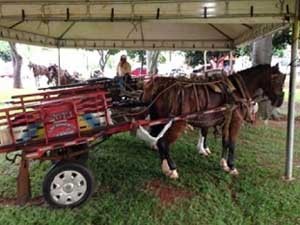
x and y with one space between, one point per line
274 89
52 73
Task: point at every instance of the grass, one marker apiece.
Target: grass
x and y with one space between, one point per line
123 165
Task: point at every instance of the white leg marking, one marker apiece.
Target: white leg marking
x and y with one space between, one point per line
144 135
173 174
224 165
200 146
208 150
165 167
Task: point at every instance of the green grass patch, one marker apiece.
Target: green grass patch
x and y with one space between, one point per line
124 165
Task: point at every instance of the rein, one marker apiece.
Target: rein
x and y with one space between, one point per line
246 101
168 88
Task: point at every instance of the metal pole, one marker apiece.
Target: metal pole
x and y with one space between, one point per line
291 103
59 68
205 60
230 62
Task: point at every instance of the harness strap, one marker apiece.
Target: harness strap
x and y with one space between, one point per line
197 97
228 118
206 96
242 86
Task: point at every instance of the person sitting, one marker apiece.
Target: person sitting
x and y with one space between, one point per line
123 68
123 72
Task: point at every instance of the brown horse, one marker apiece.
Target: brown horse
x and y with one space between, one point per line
65 77
171 97
38 70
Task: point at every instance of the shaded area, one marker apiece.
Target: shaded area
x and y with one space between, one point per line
131 185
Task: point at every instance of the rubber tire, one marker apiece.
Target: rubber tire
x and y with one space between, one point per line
62 166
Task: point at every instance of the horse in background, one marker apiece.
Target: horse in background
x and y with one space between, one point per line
65 77
38 71
171 97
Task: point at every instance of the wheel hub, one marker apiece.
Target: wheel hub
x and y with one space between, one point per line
68 187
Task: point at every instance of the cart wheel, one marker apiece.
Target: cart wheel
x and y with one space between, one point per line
68 184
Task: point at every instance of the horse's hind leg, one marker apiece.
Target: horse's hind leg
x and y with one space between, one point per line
202 142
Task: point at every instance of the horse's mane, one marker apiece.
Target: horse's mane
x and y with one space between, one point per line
255 69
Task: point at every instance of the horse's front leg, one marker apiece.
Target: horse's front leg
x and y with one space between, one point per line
202 147
223 162
168 166
235 126
163 144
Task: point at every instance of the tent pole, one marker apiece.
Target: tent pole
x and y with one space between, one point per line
205 60
291 103
230 62
59 68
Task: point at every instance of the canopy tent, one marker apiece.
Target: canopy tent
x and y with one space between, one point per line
153 24
146 24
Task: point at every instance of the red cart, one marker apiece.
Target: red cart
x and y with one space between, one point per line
59 125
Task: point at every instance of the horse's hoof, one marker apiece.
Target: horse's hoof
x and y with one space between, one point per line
224 165
234 172
202 152
153 148
173 174
165 167
208 151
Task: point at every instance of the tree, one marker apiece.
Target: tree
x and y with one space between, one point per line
17 61
104 57
279 42
140 55
262 51
194 58
152 59
5 51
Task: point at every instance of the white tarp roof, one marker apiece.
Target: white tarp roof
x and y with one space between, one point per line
146 24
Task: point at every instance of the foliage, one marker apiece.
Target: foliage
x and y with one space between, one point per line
5 51
139 55
194 58
162 59
242 51
124 165
280 41
104 56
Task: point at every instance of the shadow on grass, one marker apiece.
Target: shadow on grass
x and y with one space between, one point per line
123 166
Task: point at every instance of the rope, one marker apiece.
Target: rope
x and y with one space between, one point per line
168 88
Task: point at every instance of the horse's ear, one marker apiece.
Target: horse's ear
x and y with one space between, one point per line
277 66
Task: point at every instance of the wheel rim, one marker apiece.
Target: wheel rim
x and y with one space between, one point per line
68 187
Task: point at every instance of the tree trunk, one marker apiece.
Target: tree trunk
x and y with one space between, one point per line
17 61
262 51
152 58
262 54
104 56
